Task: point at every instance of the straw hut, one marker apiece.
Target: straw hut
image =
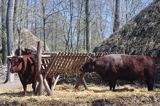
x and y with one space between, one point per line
28 40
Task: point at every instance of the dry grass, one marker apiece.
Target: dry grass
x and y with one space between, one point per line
66 93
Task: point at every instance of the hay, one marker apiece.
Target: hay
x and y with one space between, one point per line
66 94
28 40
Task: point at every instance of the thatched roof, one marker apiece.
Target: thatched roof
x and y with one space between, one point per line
28 40
140 36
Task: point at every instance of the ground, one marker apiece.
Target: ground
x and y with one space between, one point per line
65 94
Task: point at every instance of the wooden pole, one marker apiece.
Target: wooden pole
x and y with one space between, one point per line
42 80
84 83
49 91
80 81
56 82
40 85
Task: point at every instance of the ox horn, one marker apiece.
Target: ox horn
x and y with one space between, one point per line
9 56
12 54
20 56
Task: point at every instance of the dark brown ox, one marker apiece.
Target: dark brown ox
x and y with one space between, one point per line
26 70
122 67
26 66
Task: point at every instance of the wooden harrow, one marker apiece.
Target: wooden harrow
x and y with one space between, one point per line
66 63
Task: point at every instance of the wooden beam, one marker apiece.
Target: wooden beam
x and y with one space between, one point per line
49 91
42 81
55 82
84 83
46 56
80 81
40 85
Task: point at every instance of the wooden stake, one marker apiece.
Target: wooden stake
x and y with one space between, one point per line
80 81
40 85
84 83
55 82
49 91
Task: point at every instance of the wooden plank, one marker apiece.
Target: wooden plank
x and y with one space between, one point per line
69 65
59 63
61 66
50 68
75 61
80 62
55 66
47 70
66 63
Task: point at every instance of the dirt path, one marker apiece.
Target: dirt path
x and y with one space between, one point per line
13 84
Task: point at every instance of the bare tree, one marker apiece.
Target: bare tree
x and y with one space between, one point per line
21 20
35 19
126 10
44 22
3 32
116 16
10 38
79 6
27 12
88 45
16 7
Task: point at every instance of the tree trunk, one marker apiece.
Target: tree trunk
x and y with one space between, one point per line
126 11
27 22
10 38
16 5
116 16
43 23
4 42
40 85
56 36
87 26
35 20
21 23
44 33
71 27
78 24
